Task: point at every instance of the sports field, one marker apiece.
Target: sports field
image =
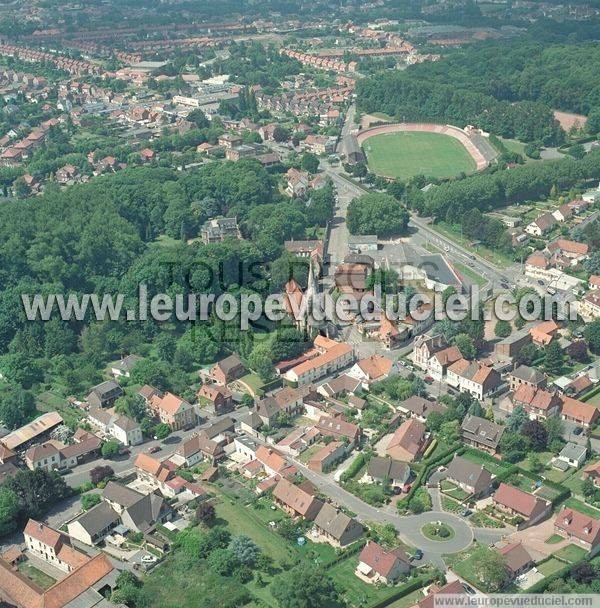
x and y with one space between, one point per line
404 154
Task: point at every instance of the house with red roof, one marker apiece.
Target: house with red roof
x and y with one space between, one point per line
296 501
408 441
577 411
517 559
581 529
526 508
592 471
174 411
539 404
52 546
376 565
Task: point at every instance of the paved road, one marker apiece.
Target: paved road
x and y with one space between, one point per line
124 465
408 527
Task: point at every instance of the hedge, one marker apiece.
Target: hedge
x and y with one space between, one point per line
354 468
590 394
541 586
353 549
405 589
444 458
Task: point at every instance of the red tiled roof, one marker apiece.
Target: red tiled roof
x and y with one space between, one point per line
579 525
379 559
517 500
573 408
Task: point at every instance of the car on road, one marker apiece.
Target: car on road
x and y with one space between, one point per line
154 449
466 512
429 379
468 589
418 555
540 282
149 559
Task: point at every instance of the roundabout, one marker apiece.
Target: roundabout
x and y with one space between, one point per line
422 532
438 531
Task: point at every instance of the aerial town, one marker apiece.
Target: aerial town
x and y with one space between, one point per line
432 154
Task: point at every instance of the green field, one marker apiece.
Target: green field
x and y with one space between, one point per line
403 155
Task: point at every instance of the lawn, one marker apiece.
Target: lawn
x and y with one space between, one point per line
494 466
254 382
474 277
573 503
243 519
439 532
551 566
408 600
481 520
571 553
453 232
357 592
448 504
310 452
404 155
453 491
37 576
554 539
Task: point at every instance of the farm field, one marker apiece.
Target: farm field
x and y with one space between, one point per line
403 155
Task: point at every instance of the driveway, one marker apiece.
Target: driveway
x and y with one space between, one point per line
534 539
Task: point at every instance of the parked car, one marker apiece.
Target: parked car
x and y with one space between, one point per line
578 430
418 555
149 559
429 379
154 449
468 589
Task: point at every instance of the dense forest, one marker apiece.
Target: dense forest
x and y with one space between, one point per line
139 226
509 89
487 191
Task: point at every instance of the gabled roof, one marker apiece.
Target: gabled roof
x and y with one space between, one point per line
296 498
380 560
579 410
43 533
409 436
528 374
375 366
579 525
522 502
516 556
333 521
469 473
148 464
172 404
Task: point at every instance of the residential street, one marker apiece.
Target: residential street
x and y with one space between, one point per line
408 527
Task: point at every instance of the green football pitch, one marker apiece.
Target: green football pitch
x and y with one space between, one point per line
405 154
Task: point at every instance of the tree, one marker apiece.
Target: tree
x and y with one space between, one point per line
528 354
309 162
503 329
37 491
205 513
554 431
245 549
280 134
90 500
132 406
16 406
513 446
447 293
377 213
553 358
162 430
110 448
490 567
536 433
100 473
591 333
535 463
516 419
578 351
465 345
223 561
9 511
306 585
165 345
